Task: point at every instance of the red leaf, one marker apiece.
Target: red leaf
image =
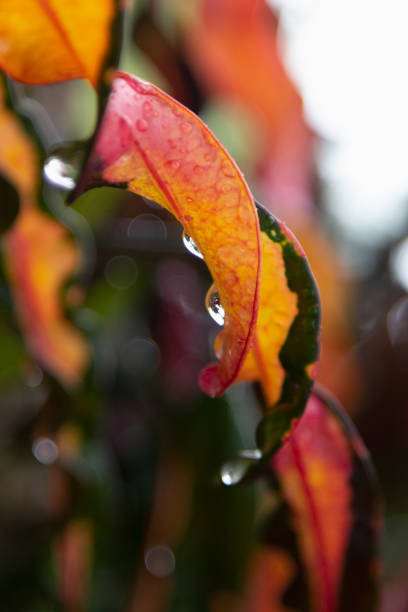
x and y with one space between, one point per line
315 467
152 145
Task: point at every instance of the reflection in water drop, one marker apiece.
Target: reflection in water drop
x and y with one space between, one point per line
214 306
59 174
62 166
160 561
45 450
251 454
191 245
233 471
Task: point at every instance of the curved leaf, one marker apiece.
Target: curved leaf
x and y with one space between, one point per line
270 572
232 45
45 41
285 345
323 470
152 145
19 161
39 257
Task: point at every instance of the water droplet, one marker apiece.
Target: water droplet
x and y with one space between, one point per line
251 453
198 169
172 143
173 164
227 170
147 107
233 471
160 561
186 128
142 125
61 168
191 245
189 200
214 306
45 451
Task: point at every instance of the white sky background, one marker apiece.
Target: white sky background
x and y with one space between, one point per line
349 59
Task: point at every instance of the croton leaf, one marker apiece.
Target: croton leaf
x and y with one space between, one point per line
45 41
327 481
152 145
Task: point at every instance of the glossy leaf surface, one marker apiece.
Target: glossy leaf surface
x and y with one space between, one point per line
45 41
286 340
327 482
152 145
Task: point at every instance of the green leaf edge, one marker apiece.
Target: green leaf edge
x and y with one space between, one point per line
301 347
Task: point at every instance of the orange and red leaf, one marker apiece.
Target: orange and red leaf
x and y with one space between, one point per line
39 257
285 344
152 145
317 469
234 48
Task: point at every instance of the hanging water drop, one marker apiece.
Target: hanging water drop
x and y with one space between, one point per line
191 246
61 168
214 306
255 453
233 471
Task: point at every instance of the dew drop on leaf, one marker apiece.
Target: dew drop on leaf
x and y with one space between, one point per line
227 170
191 245
214 306
186 128
142 125
173 164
